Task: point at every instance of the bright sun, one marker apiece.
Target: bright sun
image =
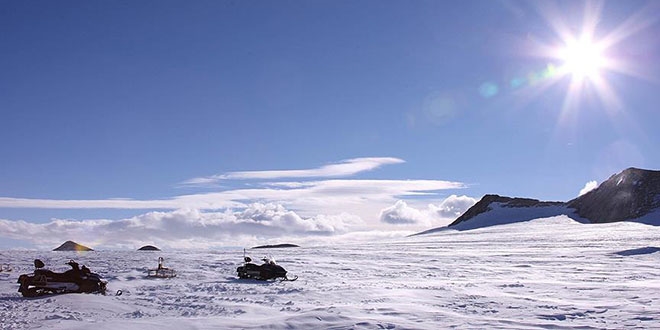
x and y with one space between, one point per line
582 58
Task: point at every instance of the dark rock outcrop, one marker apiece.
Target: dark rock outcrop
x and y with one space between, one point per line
72 246
276 246
485 205
148 248
632 195
493 210
628 195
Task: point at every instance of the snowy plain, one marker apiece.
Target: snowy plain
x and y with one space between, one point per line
550 273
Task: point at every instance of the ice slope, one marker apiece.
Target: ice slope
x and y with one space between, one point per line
545 273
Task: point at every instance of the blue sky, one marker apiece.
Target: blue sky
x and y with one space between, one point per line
340 117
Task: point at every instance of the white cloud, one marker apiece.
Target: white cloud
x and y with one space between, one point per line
449 209
401 213
453 206
268 210
186 228
589 186
256 223
344 168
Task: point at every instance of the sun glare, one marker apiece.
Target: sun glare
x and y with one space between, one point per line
582 58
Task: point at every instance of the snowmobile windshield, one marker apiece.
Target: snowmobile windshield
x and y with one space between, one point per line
269 260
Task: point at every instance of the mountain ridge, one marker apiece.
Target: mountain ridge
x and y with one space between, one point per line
627 195
631 195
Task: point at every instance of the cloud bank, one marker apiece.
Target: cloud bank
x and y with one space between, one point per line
263 211
186 228
257 223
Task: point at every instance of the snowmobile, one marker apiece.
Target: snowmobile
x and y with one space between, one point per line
267 271
75 280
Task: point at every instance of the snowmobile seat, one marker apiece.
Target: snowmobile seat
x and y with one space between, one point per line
72 275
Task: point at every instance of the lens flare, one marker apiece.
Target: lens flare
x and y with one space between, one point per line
488 89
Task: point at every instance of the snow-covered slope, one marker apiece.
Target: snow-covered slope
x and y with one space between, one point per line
494 210
502 213
551 273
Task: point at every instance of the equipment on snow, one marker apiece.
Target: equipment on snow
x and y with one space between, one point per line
75 280
162 272
267 271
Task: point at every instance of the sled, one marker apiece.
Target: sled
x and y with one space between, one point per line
161 272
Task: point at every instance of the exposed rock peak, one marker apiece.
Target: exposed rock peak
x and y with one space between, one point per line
72 246
148 248
484 205
627 195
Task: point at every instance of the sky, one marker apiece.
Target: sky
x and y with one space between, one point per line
208 124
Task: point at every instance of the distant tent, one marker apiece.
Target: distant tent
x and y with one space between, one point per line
148 248
72 246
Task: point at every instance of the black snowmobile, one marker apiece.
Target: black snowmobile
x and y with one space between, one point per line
267 271
75 280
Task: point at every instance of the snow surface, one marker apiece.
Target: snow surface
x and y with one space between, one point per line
546 273
652 218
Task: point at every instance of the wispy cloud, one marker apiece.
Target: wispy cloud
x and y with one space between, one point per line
589 186
185 201
301 194
342 169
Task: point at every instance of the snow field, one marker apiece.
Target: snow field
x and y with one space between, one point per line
546 273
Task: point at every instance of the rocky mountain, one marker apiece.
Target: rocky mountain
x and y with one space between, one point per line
72 246
485 205
494 210
628 195
632 195
148 248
